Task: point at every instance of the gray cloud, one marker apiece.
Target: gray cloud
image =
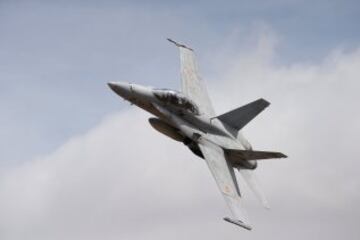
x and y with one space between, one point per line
122 179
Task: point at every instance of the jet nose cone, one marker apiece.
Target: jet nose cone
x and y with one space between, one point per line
111 85
120 88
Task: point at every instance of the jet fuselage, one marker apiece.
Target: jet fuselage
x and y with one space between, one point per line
180 119
189 117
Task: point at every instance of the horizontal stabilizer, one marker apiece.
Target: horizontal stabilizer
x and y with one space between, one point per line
252 155
241 116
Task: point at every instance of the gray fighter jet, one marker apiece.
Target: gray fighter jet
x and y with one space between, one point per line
187 116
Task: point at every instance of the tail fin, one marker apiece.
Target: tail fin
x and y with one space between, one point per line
241 116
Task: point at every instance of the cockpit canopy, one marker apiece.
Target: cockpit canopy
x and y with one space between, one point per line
176 99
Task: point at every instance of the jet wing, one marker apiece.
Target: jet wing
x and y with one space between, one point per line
226 181
191 83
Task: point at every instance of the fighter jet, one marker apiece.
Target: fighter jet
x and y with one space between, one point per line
188 116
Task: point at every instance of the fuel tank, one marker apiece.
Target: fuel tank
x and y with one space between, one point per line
166 129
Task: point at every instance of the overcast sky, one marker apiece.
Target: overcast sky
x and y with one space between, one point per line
77 162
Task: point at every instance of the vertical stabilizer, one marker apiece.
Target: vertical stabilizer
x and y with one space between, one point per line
241 116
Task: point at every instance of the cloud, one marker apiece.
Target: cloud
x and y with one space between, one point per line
124 180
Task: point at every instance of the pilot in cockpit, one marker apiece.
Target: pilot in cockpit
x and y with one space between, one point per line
176 99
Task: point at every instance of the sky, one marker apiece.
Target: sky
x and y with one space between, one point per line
77 162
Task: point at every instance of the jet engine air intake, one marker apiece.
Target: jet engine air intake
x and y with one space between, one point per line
166 129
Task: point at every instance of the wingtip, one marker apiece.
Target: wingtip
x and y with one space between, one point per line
265 102
238 223
179 44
